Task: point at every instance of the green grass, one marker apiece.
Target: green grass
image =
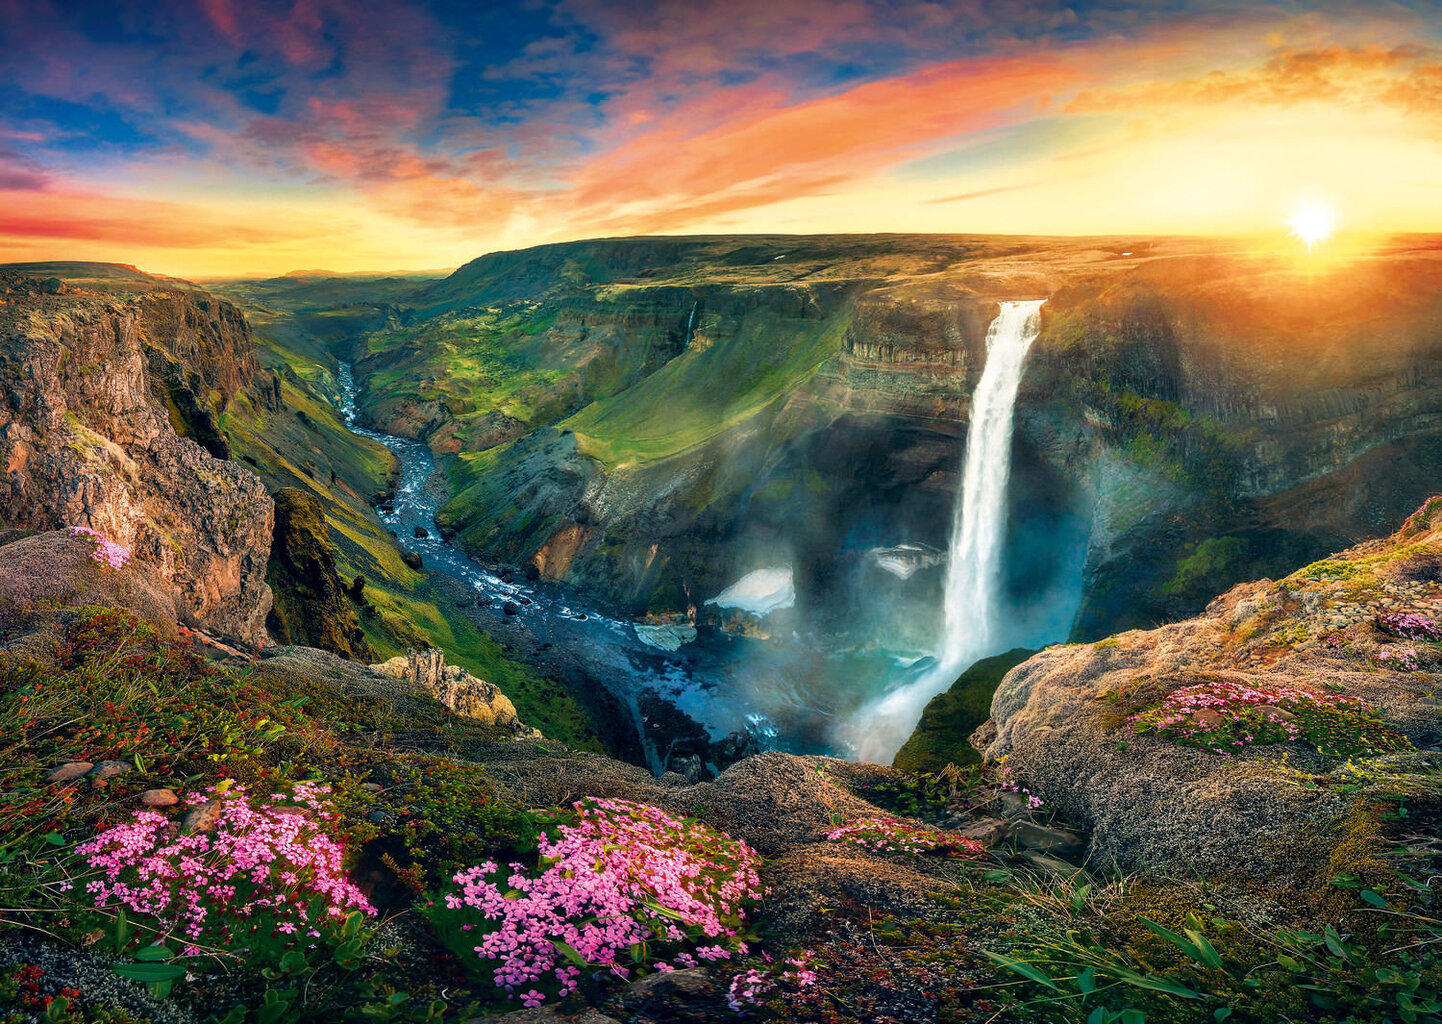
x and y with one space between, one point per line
718 388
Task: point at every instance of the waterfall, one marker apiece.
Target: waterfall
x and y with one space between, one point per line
691 323
972 614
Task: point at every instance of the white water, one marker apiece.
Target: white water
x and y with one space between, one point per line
972 608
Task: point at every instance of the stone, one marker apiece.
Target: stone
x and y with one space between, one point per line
412 559
691 767
986 831
159 798
1015 805
109 770
511 608
420 533
1050 865
69 772
202 817
1044 839
690 982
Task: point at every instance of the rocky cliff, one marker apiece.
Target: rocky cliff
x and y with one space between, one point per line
88 436
312 605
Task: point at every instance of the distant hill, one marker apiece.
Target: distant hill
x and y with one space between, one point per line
98 276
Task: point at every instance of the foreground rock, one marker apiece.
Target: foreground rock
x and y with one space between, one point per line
419 674
1060 720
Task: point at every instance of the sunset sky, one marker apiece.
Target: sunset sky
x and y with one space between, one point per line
209 137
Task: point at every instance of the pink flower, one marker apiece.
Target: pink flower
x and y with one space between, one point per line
624 877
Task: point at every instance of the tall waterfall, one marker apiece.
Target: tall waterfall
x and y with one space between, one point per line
978 535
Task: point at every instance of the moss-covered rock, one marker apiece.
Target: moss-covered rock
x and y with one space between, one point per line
940 738
311 604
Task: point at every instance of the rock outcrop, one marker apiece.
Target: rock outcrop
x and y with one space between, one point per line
456 688
312 605
1332 632
84 441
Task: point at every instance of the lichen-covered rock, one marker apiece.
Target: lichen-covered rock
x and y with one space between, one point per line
1061 720
311 605
52 571
84 441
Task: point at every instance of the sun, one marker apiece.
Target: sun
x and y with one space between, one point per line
1313 223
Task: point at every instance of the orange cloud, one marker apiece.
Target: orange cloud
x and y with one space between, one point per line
77 216
765 146
1345 75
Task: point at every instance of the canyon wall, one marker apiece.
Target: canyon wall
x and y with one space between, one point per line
650 419
98 387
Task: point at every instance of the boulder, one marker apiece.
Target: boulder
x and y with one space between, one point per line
1060 721
68 772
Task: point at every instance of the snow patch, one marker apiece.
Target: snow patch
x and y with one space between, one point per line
760 592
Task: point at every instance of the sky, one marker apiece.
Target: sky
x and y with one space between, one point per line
208 138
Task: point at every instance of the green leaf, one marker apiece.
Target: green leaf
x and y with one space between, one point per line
663 911
1334 943
55 839
1086 981
1023 968
1221 1013
1368 896
1153 984
1206 952
569 952
150 953
149 972
1200 951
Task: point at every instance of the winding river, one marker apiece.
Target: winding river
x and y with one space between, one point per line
714 679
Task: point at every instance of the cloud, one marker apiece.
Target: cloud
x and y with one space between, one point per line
1403 75
765 143
78 216
980 193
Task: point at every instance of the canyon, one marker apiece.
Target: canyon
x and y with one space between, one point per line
529 545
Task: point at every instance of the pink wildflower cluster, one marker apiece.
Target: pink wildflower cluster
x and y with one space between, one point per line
1409 626
624 876
1400 659
887 835
1225 716
266 872
107 552
1338 640
751 987
1012 786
